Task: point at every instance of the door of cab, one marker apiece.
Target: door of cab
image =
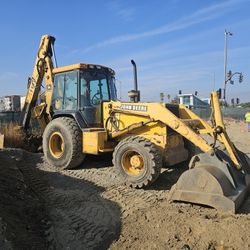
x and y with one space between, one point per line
65 92
93 90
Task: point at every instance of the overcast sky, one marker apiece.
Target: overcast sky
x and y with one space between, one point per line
176 44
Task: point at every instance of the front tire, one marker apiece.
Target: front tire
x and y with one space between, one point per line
138 161
62 143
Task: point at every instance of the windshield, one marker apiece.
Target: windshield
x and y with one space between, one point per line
96 86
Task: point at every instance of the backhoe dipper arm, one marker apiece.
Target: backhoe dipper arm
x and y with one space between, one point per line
43 67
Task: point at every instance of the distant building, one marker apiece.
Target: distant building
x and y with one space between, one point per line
10 103
199 106
22 100
192 101
2 103
206 100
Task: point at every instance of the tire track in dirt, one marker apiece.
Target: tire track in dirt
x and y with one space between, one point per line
79 220
129 199
24 221
132 200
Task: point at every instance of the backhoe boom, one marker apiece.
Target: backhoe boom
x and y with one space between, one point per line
43 67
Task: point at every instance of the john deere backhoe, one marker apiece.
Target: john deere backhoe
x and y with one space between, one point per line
81 115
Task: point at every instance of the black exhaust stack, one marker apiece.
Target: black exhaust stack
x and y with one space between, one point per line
134 94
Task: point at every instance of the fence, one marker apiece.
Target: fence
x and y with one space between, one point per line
14 116
9 116
235 113
204 113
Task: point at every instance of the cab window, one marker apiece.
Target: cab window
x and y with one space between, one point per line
94 88
65 91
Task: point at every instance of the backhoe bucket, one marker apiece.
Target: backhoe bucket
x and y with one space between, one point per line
212 180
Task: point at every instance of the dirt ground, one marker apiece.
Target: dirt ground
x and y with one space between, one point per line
89 208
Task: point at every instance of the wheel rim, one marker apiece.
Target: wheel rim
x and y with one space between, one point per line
132 163
56 145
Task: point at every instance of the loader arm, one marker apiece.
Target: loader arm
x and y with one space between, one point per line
217 130
221 130
157 112
42 69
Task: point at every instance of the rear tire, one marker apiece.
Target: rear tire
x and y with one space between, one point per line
62 143
138 161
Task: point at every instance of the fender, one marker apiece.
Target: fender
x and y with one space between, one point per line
76 115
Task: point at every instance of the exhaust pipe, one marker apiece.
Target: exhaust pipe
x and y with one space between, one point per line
134 94
135 75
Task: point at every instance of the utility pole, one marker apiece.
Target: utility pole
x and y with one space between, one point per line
228 76
227 33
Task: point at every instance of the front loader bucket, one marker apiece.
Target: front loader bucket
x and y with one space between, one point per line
213 181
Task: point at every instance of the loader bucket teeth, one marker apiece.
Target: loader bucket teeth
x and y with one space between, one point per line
213 182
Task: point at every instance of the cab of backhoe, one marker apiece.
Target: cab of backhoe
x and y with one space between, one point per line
81 88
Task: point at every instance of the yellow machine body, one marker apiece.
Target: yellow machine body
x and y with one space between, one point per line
95 141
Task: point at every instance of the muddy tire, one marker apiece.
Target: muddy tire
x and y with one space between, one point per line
62 143
138 161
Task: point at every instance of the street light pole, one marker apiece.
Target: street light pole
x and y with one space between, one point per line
227 33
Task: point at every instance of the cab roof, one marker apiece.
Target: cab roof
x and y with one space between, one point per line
81 66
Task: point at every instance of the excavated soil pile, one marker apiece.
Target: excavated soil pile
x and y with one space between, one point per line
88 208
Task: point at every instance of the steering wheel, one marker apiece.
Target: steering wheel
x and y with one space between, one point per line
96 99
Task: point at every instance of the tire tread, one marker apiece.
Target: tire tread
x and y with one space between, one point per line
154 155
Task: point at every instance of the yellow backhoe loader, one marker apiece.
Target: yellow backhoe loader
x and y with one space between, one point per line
82 115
